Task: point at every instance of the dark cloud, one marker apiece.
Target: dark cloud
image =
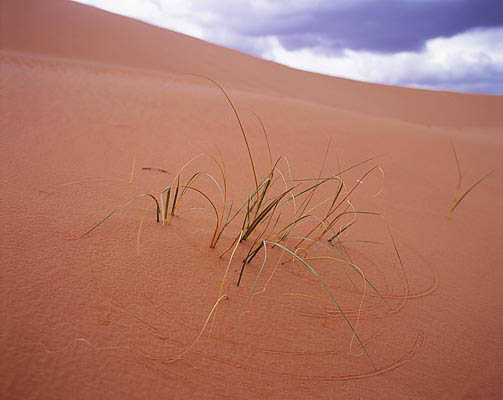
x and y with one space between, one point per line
384 26
469 60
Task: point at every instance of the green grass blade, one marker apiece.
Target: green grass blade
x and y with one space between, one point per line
263 194
263 215
120 208
456 204
249 257
246 203
177 202
291 225
341 231
164 205
457 163
175 196
330 225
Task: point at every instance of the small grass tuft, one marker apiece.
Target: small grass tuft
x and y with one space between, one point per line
457 200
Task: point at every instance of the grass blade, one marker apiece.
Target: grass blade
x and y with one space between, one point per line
457 163
329 292
177 202
263 214
264 245
215 232
120 208
239 122
457 202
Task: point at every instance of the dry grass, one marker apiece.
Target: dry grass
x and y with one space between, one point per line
276 209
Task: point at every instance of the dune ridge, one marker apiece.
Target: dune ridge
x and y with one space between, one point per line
61 28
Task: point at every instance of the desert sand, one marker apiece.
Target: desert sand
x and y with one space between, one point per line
96 109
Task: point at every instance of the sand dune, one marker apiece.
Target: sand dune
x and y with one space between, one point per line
79 32
96 108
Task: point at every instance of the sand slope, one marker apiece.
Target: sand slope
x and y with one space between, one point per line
78 32
88 99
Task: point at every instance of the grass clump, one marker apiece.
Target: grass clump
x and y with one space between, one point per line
272 214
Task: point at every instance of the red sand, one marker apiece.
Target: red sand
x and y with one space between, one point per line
86 96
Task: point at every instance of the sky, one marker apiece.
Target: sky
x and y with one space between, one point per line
454 45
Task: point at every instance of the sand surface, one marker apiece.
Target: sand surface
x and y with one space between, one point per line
96 109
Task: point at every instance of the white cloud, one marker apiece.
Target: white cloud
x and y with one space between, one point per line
200 18
445 63
172 14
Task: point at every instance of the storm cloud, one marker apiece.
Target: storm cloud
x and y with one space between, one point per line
385 26
440 44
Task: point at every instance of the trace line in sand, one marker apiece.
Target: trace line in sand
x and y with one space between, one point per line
418 344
